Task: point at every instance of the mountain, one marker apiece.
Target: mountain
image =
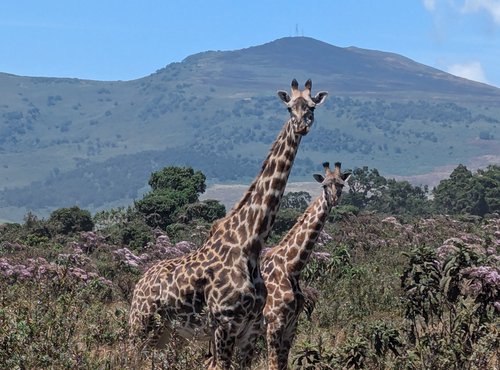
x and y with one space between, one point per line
94 143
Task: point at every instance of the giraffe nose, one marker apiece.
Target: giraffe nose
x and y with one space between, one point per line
308 118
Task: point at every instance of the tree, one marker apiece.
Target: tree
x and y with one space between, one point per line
462 193
371 191
400 197
208 210
365 187
285 219
490 180
172 188
70 220
182 179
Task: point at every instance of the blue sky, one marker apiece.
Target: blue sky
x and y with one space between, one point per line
124 40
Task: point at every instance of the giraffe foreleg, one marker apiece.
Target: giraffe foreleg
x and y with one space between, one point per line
224 342
286 344
274 335
247 350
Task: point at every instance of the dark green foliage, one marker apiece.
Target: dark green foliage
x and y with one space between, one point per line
420 281
159 207
125 227
70 220
447 312
400 197
182 179
369 190
135 233
208 210
196 231
343 211
172 189
313 357
490 181
465 192
354 353
365 187
285 219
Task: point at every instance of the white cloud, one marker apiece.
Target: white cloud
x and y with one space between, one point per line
430 5
471 71
492 7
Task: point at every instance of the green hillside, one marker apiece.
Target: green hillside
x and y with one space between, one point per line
92 143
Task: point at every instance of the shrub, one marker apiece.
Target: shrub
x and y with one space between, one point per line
70 220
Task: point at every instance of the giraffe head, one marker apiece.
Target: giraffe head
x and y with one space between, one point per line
301 105
333 182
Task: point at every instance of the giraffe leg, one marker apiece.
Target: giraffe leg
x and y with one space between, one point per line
274 336
286 345
246 353
248 343
224 347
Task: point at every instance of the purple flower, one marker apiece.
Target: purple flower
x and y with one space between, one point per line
127 257
391 220
481 279
496 304
185 247
323 238
321 256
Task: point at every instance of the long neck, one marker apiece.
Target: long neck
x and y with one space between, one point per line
254 214
299 242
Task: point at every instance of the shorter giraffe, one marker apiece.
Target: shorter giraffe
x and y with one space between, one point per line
281 267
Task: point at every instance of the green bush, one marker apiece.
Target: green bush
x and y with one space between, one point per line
70 220
208 210
126 227
172 189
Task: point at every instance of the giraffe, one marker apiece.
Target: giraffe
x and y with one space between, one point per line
281 267
217 292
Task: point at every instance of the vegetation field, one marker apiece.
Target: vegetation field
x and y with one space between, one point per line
397 281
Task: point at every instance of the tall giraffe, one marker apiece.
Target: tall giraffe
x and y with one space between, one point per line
281 267
217 291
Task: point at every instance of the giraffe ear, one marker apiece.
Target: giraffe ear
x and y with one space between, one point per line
319 178
283 95
320 97
346 175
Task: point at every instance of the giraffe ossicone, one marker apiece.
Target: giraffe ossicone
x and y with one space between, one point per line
217 292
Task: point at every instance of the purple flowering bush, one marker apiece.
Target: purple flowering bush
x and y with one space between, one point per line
64 299
409 294
382 293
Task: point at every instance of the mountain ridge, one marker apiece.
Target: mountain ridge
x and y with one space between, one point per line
217 111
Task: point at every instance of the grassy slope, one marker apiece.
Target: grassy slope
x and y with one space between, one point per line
217 111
